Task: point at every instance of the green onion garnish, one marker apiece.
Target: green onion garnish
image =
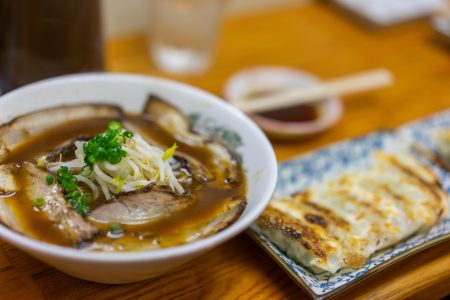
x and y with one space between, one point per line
49 179
116 228
114 125
107 146
39 202
69 183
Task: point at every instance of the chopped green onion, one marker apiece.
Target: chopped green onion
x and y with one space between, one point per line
80 201
116 228
107 146
128 134
69 183
39 202
67 180
170 152
49 179
114 125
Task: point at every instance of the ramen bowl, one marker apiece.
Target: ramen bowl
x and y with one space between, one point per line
130 92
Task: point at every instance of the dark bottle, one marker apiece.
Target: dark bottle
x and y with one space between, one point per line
45 38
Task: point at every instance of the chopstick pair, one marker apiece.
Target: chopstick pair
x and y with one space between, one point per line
361 82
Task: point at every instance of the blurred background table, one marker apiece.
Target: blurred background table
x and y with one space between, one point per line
317 38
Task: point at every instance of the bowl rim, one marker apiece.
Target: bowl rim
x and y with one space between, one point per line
24 242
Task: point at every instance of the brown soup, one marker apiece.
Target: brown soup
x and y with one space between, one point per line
211 198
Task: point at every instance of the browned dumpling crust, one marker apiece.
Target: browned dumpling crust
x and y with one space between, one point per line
340 223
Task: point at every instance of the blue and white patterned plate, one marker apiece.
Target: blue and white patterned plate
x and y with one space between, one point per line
421 131
324 164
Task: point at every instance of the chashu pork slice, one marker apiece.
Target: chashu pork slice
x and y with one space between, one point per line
140 207
340 223
26 182
224 218
14 133
173 121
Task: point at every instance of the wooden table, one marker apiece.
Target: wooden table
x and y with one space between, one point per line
319 39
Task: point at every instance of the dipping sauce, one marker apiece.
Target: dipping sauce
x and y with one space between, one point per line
301 113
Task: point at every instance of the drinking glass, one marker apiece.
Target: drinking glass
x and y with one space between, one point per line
184 34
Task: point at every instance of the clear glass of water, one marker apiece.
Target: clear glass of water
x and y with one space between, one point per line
184 34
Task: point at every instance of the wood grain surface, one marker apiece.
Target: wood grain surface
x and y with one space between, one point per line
319 39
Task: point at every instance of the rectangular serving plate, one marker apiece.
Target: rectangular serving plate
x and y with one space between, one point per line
329 162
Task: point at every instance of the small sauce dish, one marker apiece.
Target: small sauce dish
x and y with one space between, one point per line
286 124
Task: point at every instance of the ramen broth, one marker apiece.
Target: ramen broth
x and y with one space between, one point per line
210 197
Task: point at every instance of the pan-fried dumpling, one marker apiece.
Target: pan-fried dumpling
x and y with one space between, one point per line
339 224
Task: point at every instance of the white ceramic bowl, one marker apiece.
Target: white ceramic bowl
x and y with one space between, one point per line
130 92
